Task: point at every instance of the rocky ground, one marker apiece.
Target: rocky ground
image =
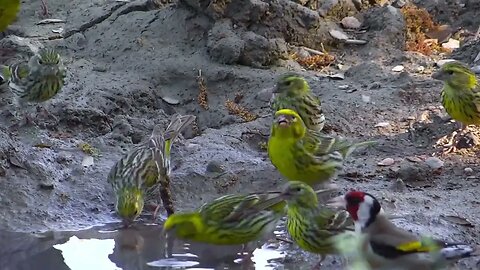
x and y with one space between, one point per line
132 65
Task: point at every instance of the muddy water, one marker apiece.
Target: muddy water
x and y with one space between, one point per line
111 247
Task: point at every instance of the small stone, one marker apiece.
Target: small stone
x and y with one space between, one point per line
398 68
420 69
171 101
337 76
476 69
338 34
442 62
468 171
386 162
382 124
414 159
365 98
343 87
215 167
434 163
351 22
398 185
451 44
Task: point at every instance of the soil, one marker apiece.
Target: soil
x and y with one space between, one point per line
132 65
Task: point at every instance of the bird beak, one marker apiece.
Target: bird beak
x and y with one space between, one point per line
282 120
439 75
337 202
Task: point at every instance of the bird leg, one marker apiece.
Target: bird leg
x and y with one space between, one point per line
319 264
44 7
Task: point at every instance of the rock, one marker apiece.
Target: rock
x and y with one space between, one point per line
224 46
413 172
215 167
260 52
398 186
468 171
351 23
386 162
398 68
434 163
389 20
451 44
442 62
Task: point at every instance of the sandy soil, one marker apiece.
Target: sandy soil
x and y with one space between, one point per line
125 60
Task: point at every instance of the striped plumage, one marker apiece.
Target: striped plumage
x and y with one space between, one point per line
145 168
293 92
461 92
228 220
305 155
8 12
311 226
37 80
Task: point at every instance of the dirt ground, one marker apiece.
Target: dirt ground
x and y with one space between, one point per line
131 66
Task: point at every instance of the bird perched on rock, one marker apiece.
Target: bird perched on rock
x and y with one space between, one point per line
35 81
390 247
144 169
311 226
8 12
306 155
293 92
460 95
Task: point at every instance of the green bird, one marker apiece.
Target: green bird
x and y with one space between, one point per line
231 219
460 95
311 226
8 12
306 155
35 81
144 169
293 92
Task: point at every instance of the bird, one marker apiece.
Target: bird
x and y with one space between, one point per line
305 155
228 220
8 12
145 168
312 226
35 81
460 96
231 219
293 92
390 247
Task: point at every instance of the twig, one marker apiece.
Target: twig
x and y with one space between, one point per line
312 51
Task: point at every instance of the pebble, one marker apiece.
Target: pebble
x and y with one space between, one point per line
398 68
382 124
215 167
351 22
365 98
434 163
468 170
386 162
451 44
398 185
442 62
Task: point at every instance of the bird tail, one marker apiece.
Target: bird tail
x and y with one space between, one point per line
455 251
347 151
165 139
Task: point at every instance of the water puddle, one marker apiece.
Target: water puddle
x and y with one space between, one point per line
138 248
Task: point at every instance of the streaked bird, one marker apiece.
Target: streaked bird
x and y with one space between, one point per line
305 155
145 169
312 226
460 96
293 92
35 81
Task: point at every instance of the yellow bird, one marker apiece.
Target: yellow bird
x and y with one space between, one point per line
8 12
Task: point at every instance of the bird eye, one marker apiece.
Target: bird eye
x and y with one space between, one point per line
450 72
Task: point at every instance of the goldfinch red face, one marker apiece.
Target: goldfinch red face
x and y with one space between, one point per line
362 207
